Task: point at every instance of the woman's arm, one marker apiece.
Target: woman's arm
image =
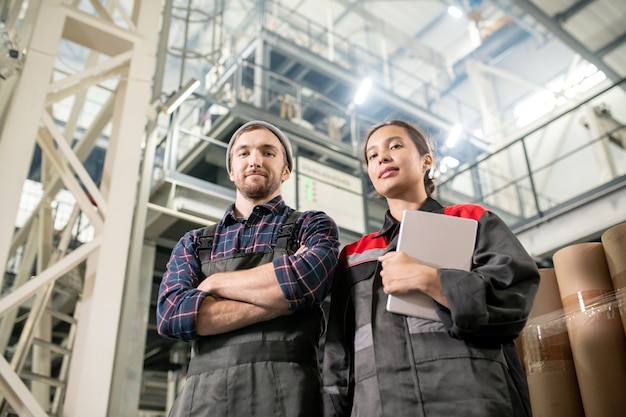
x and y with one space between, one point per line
493 300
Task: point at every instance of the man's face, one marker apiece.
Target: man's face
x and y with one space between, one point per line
258 164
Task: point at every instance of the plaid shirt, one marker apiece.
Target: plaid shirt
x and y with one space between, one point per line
305 279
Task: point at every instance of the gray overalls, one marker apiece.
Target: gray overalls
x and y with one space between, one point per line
266 369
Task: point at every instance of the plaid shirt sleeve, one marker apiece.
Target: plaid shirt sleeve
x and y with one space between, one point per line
306 278
179 300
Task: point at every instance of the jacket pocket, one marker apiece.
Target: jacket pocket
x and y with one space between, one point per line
452 376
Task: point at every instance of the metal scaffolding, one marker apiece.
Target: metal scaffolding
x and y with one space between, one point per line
115 58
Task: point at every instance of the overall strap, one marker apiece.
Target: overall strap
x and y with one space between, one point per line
205 243
286 234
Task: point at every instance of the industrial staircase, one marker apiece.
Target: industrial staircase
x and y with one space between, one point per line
42 354
37 334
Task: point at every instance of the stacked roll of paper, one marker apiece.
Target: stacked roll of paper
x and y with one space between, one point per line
614 243
548 361
594 327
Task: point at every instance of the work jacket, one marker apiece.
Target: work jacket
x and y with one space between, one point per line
378 363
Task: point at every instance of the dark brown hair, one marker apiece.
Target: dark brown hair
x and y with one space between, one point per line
417 136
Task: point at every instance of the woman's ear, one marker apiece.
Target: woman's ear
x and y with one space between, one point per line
428 162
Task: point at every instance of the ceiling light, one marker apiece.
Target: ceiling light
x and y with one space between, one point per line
450 161
181 95
455 12
454 135
363 90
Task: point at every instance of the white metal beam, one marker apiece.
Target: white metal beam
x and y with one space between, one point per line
17 393
129 49
52 273
72 184
17 140
64 148
89 381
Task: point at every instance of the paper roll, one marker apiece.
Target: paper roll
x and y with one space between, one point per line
547 355
595 330
548 298
614 243
552 381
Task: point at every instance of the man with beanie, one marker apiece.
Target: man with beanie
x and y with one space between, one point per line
248 292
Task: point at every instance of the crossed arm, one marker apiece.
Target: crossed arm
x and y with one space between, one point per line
216 316
190 305
240 298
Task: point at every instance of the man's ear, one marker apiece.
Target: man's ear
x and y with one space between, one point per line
286 174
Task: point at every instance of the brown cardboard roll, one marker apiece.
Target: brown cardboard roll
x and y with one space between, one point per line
614 243
595 330
548 298
550 391
547 355
552 382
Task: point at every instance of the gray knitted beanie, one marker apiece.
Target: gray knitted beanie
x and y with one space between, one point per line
280 135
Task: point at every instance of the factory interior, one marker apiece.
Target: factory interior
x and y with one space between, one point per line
114 121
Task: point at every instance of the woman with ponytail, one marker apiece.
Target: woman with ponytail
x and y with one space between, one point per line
378 363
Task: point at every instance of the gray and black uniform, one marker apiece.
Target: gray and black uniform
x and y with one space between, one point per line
377 363
266 369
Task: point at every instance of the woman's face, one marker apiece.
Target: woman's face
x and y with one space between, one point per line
394 164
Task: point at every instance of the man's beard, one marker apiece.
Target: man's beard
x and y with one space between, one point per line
258 190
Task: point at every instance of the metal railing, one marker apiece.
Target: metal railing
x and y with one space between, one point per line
577 153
